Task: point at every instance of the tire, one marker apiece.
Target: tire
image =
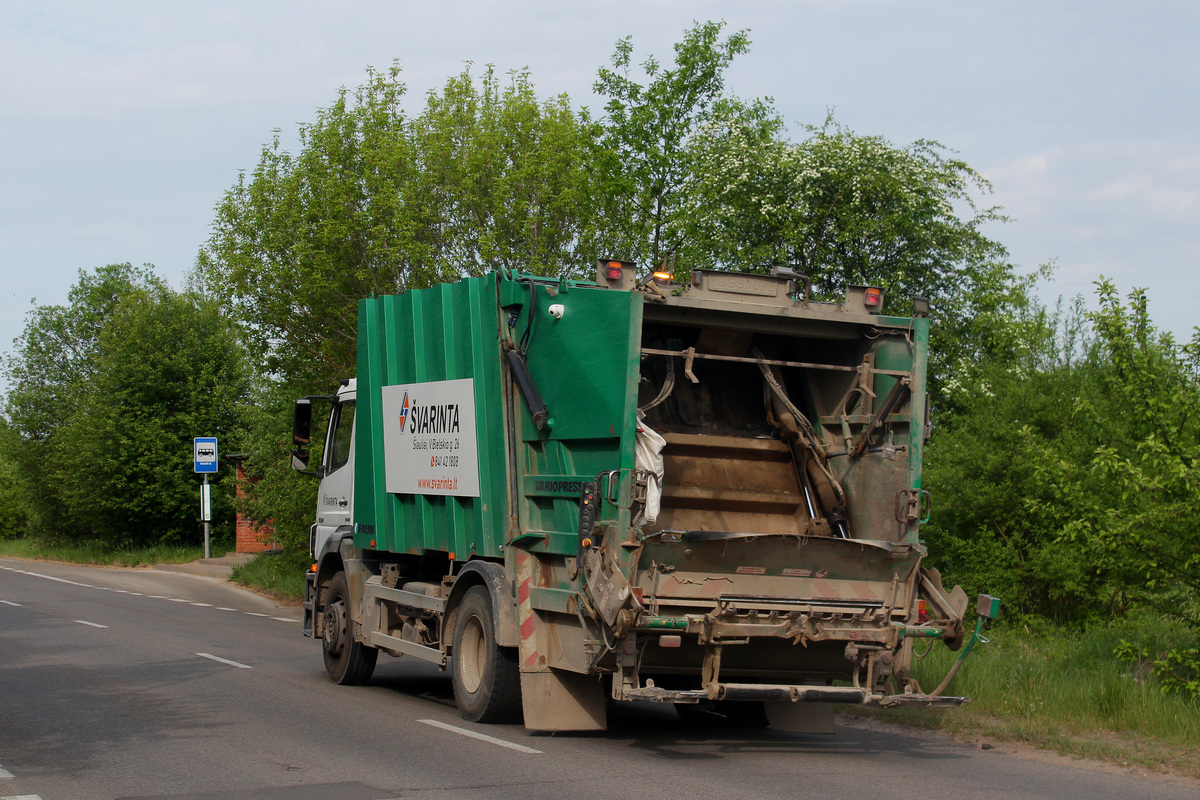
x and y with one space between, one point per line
487 681
348 662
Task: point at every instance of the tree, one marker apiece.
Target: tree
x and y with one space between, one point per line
55 358
503 174
840 207
845 209
1149 469
119 381
59 350
1069 477
640 143
996 520
15 497
376 202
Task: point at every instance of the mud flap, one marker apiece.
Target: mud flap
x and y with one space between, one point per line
784 715
555 700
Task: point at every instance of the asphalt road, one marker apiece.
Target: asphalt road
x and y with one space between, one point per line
143 684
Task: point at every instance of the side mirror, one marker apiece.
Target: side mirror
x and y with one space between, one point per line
301 434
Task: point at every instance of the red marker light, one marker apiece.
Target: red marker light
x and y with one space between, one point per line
922 612
615 271
872 297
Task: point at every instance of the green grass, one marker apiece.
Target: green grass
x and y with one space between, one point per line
1066 691
273 575
101 555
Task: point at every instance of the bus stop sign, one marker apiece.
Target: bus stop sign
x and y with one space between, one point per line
205 448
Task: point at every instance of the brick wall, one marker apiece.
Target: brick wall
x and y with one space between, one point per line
252 537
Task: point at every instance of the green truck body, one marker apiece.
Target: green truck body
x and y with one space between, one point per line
704 493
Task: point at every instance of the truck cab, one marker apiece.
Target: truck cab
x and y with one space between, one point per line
335 469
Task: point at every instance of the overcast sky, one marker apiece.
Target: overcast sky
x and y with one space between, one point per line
123 123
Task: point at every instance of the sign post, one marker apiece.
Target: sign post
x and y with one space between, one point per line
204 450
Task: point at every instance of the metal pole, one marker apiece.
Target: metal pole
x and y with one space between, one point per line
207 513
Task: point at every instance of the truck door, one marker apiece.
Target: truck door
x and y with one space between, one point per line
335 503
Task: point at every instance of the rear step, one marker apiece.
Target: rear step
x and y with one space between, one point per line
795 694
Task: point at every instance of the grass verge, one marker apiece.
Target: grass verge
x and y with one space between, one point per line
101 555
1066 692
275 576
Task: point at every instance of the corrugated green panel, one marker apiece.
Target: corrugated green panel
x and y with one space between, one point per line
447 332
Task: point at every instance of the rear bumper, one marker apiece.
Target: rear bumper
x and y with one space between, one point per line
788 693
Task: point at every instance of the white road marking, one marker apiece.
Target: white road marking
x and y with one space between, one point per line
133 594
489 739
5 773
50 577
93 624
225 661
22 797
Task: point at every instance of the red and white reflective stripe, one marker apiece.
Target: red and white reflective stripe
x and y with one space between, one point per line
529 654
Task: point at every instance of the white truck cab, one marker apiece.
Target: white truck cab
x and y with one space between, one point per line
335 497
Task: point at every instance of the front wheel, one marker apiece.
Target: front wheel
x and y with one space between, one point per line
487 681
348 661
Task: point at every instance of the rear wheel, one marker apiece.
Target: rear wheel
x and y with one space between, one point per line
348 662
487 681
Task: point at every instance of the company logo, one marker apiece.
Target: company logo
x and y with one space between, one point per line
404 412
442 418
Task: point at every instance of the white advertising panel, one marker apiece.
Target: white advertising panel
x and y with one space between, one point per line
429 444
206 502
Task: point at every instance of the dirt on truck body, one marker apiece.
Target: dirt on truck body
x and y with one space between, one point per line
704 493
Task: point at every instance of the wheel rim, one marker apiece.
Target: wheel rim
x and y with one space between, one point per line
335 627
472 658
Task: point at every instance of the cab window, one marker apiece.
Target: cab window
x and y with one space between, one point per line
339 441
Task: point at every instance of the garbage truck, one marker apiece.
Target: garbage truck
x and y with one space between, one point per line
702 491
